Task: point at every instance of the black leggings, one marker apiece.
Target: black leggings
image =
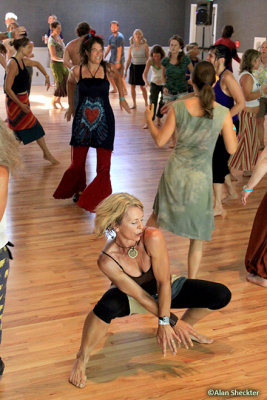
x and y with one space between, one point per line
195 293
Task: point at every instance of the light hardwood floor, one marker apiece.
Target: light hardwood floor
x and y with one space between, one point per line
54 282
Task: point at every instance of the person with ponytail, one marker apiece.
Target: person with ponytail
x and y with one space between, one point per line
184 203
93 125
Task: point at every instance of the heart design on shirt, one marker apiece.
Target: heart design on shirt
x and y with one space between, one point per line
91 114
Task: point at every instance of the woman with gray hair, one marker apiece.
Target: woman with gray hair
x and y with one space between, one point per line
9 163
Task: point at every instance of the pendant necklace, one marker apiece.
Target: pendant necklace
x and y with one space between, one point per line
132 252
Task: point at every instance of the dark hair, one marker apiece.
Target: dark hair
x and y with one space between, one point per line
227 32
248 57
204 77
17 43
2 49
87 44
181 53
157 49
222 51
82 29
54 24
114 22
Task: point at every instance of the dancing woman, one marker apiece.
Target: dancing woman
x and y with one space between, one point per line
60 72
20 118
9 163
137 56
256 255
93 125
156 88
229 94
137 264
246 155
183 204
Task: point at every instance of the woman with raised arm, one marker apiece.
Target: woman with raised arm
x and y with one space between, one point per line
20 117
184 203
93 125
10 162
256 256
136 262
229 94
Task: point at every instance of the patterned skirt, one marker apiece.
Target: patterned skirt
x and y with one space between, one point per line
25 126
246 155
60 74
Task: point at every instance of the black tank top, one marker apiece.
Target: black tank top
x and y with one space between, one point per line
21 81
147 280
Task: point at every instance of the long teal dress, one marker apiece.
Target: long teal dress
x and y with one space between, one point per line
184 201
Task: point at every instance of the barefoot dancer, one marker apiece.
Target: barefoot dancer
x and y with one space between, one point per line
256 256
20 118
137 264
93 125
229 94
60 72
183 204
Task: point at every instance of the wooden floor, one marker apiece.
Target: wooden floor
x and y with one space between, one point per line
54 281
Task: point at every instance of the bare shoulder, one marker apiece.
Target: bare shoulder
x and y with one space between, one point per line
12 65
153 238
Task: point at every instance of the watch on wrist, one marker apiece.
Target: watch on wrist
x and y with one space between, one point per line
164 320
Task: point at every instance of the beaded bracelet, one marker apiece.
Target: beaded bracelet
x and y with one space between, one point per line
247 190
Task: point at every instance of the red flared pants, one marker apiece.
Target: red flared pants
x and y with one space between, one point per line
74 179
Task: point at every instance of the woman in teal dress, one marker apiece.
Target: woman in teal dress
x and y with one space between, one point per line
184 203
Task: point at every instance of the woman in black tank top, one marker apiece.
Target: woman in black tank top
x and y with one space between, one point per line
137 264
20 118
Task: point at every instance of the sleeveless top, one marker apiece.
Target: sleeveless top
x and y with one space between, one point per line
222 98
156 76
138 55
21 81
255 87
146 280
93 123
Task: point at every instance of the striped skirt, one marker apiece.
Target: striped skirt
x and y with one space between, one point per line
4 268
246 154
25 126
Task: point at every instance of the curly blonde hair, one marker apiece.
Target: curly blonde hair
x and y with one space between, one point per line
111 211
9 149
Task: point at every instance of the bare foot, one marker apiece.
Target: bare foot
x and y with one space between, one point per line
145 126
54 105
219 211
51 159
202 339
113 91
77 375
258 280
133 107
232 196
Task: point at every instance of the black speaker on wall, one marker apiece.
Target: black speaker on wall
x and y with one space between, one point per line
204 13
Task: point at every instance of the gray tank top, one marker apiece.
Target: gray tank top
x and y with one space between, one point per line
138 55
